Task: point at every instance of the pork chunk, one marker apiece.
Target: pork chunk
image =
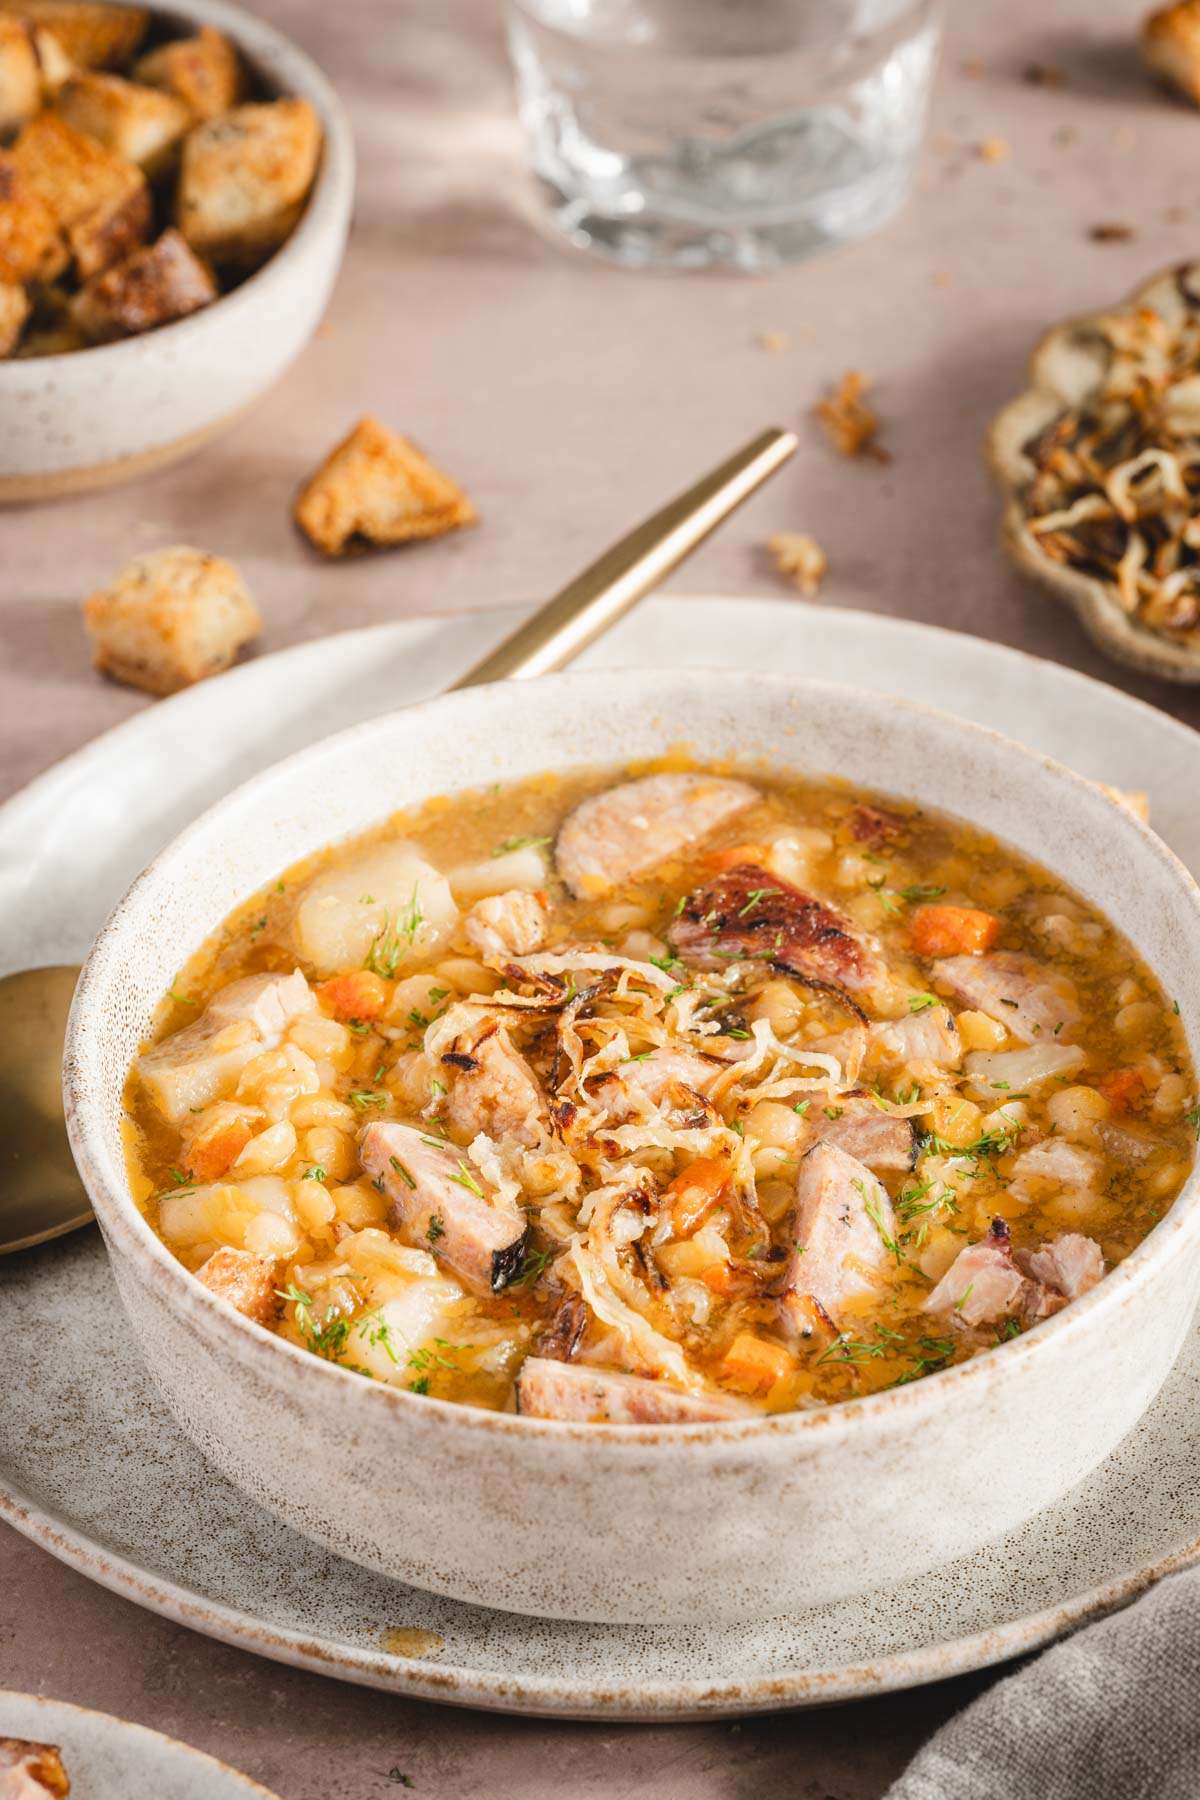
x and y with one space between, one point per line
625 832
867 1133
201 1063
634 1088
585 1395
492 1089
504 925
245 1280
930 1035
1052 1166
748 912
1071 1264
31 1771
983 1285
439 1203
842 1216
1012 989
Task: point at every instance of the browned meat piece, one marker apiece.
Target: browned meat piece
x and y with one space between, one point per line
492 1089
1071 1265
1012 989
1052 1166
561 1338
983 1284
864 1131
629 830
927 1036
841 1229
504 925
246 1280
872 825
747 912
675 1076
586 1395
30 1771
439 1202
200 1063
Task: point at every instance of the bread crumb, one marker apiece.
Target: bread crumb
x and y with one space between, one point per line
1110 233
942 278
375 489
974 69
993 150
169 618
849 423
773 340
1043 75
801 559
1171 46
1136 803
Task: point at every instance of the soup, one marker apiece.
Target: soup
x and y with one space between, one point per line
660 1096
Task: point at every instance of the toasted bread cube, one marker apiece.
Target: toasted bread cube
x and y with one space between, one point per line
32 248
92 35
170 618
14 311
101 202
204 71
1171 46
20 75
164 281
140 124
376 488
245 179
246 1280
32 1771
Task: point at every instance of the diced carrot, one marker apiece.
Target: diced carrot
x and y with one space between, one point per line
1122 1088
735 856
695 1191
209 1157
359 995
755 1364
953 931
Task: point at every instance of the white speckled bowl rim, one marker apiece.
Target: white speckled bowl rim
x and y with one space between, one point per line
298 75
89 1739
84 1084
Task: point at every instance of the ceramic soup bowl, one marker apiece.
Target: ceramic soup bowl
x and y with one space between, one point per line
94 417
637 1523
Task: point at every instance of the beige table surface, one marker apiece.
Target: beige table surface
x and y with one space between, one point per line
569 398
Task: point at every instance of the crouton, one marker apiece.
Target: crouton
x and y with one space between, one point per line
92 35
245 178
164 281
204 71
246 1280
140 124
14 311
376 488
20 75
32 248
101 202
170 618
1171 46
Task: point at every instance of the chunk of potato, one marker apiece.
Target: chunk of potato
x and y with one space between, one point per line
382 909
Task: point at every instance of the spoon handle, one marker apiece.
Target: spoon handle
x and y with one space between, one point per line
607 588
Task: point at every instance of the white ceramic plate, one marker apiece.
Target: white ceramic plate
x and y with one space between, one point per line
112 1759
102 1478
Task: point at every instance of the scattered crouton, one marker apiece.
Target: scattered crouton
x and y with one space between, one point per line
137 123
164 281
101 202
92 35
376 489
801 559
245 179
20 76
246 1280
32 248
32 1771
170 618
1136 803
1171 46
14 311
204 71
851 426
993 150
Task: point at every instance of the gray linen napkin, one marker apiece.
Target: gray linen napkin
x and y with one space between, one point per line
1111 1714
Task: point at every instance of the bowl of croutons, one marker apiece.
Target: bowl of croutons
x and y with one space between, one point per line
175 191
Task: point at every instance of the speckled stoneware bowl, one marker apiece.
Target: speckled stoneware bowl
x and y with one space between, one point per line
103 415
636 1523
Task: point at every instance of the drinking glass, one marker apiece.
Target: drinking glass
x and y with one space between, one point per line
743 133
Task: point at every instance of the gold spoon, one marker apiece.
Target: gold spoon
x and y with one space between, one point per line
40 1193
